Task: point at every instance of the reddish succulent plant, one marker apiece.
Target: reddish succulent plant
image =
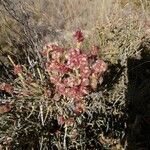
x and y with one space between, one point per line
17 69
78 35
71 76
75 73
6 87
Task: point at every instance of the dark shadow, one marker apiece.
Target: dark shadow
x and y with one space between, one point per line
111 77
138 101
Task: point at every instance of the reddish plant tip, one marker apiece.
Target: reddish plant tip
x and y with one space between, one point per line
53 47
78 35
78 110
44 53
70 121
17 69
99 66
6 87
61 120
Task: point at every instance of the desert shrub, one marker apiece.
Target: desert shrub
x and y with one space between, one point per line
33 115
50 99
